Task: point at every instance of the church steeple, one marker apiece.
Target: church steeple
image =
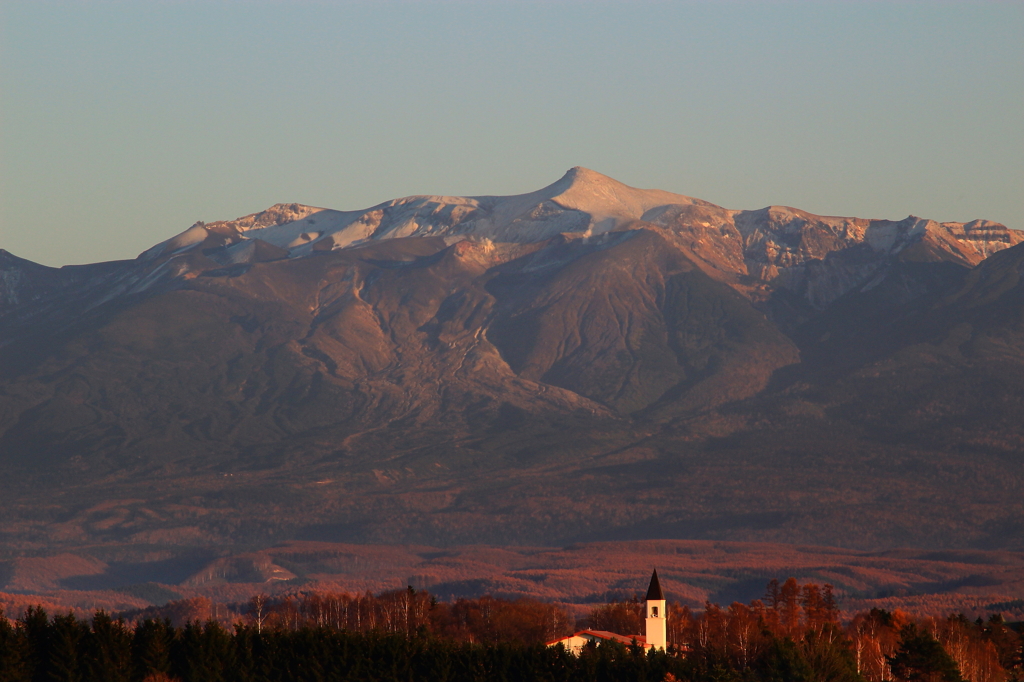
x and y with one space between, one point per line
654 589
657 630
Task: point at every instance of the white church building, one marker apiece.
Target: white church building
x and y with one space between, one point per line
655 637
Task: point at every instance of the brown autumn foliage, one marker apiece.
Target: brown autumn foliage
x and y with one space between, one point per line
983 650
974 646
624 617
738 636
485 620
180 612
920 582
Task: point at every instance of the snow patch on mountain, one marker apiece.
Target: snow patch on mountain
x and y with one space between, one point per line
888 237
582 201
188 239
301 233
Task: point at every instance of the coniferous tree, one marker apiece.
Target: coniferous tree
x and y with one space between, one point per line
151 648
107 651
202 653
789 606
35 625
244 645
921 658
784 662
65 651
13 666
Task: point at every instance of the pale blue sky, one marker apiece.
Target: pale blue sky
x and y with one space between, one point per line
122 123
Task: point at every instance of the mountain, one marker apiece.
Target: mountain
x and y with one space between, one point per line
585 362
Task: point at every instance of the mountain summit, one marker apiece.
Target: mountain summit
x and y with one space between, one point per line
818 256
586 361
581 202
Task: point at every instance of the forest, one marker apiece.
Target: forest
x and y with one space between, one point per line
794 634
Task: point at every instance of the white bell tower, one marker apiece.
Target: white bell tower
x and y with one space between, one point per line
657 617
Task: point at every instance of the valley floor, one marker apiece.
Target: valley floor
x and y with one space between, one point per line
921 582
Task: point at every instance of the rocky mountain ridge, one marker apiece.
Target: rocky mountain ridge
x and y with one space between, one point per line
762 244
822 257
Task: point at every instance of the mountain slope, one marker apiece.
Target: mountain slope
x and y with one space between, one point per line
586 361
408 330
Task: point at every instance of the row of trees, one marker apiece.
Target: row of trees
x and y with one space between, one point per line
877 646
794 634
64 649
487 620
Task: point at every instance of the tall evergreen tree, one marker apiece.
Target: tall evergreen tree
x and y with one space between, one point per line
13 666
203 653
35 625
64 659
107 651
151 648
784 662
921 658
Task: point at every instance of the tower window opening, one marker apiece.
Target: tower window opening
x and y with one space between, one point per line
654 612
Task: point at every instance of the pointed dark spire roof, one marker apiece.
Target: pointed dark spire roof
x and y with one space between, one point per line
654 591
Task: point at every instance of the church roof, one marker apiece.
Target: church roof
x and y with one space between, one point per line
654 592
603 635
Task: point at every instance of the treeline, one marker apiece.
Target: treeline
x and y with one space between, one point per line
793 635
879 646
65 649
796 628
486 620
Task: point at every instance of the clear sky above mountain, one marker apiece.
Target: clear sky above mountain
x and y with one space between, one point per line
122 123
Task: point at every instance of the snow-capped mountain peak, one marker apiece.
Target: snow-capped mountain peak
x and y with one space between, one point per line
774 244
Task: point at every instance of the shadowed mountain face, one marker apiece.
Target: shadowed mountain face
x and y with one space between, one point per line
589 361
